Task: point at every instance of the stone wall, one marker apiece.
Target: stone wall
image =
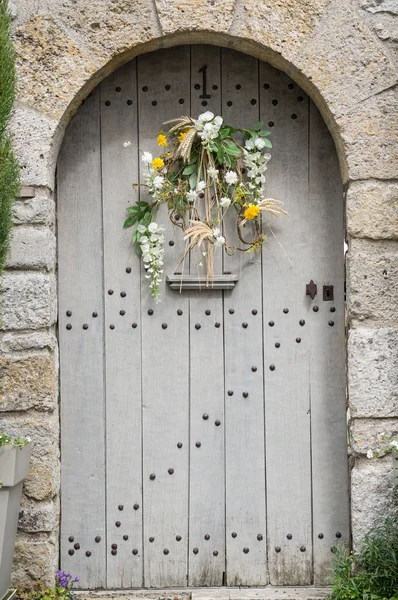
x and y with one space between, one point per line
343 54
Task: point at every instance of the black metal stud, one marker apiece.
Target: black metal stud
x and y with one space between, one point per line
122 312
171 243
229 103
207 537
333 309
277 345
198 444
179 445
289 536
230 393
167 87
120 507
170 471
145 88
98 539
164 325
71 552
238 86
315 308
69 327
118 523
294 116
178 538
181 101
254 369
298 340
244 325
95 315
302 548
114 546
254 312
152 476
71 539
331 323
285 310
107 103
134 325
234 534
253 101
245 394
320 535
129 102
111 327
195 550
260 537
231 311
207 312
198 326
150 311
110 292
76 546
215 552
88 553
123 294
135 552
266 86
338 534
217 325
68 313
128 269
302 322
271 323
154 103
113 552
205 416
271 123
179 312
136 506
217 423
272 367
277 549
246 550
165 551
151 539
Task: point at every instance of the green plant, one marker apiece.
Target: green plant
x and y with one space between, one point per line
371 573
9 167
19 442
61 591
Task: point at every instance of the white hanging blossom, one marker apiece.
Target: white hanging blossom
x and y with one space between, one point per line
151 244
225 202
208 126
231 177
219 239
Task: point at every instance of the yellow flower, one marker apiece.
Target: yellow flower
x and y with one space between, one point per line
181 136
162 140
157 163
251 212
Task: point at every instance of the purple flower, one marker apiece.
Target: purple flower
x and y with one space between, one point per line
65 579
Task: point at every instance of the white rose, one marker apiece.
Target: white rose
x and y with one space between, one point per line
141 229
158 182
231 177
267 156
206 116
225 202
191 196
146 157
259 143
153 227
218 121
249 145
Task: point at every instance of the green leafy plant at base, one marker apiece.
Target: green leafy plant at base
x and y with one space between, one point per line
371 573
9 168
61 591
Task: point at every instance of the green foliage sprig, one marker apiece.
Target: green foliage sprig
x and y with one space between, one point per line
9 167
371 573
7 440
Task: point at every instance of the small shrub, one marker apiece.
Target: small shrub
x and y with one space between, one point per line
61 591
371 573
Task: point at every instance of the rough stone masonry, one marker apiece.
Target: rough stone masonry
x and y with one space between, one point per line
344 54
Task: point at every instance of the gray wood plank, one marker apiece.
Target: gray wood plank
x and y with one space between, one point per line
81 350
287 413
244 416
165 352
327 356
207 489
122 340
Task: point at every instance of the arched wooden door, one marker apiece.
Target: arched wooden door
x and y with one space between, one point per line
204 438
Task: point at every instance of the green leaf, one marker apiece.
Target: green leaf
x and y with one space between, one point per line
226 131
138 250
142 203
220 155
258 126
193 180
231 148
130 221
189 169
267 143
264 133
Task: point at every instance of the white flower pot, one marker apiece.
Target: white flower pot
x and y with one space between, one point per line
14 467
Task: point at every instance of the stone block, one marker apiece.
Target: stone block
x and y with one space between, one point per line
35 517
372 436
14 341
373 281
36 140
28 301
34 562
372 494
32 248
340 34
372 209
39 210
373 372
27 383
177 15
369 131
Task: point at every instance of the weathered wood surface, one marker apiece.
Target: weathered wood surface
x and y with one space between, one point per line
271 464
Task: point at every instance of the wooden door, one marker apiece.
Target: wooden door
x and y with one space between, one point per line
203 438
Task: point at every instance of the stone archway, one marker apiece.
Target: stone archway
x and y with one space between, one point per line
63 52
